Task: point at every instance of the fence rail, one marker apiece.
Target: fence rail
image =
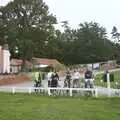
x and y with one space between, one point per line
61 91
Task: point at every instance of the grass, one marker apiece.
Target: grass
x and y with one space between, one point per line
100 82
33 107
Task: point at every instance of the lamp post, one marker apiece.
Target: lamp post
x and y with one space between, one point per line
16 50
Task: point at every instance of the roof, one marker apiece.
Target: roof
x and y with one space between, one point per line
36 61
45 61
19 62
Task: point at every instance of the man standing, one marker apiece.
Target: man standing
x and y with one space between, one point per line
76 77
38 78
49 77
55 78
67 82
88 78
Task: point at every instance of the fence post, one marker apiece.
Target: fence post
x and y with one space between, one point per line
119 91
70 92
49 93
108 84
109 92
96 92
13 90
30 91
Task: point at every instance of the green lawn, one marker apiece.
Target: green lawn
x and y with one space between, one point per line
33 107
116 84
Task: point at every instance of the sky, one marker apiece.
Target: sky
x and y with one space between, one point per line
104 12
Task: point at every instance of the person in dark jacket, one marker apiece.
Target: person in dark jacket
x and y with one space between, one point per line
88 78
67 82
54 81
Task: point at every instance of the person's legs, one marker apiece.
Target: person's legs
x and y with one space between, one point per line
73 83
37 84
40 85
65 83
77 83
86 84
91 83
49 83
69 84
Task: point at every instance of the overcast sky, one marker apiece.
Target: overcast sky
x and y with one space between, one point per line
104 12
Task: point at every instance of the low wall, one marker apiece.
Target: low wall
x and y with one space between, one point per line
13 79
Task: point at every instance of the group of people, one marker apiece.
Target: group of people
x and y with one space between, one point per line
52 77
72 80
75 79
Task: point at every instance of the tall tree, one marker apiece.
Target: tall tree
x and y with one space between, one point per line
87 44
94 43
28 23
115 34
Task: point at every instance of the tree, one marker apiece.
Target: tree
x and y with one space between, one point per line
115 35
87 44
28 24
93 42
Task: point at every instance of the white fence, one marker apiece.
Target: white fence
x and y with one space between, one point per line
62 91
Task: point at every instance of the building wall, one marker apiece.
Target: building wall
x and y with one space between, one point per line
1 62
4 60
15 69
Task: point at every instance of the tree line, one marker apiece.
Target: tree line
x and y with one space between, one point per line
28 28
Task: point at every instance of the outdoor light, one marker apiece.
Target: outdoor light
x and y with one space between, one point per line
16 50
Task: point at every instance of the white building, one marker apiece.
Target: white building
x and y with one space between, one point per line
4 59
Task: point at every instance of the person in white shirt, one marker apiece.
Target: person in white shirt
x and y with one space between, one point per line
49 77
76 77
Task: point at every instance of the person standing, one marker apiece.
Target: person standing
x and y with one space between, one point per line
55 78
67 82
36 73
40 78
36 77
76 77
88 78
49 77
